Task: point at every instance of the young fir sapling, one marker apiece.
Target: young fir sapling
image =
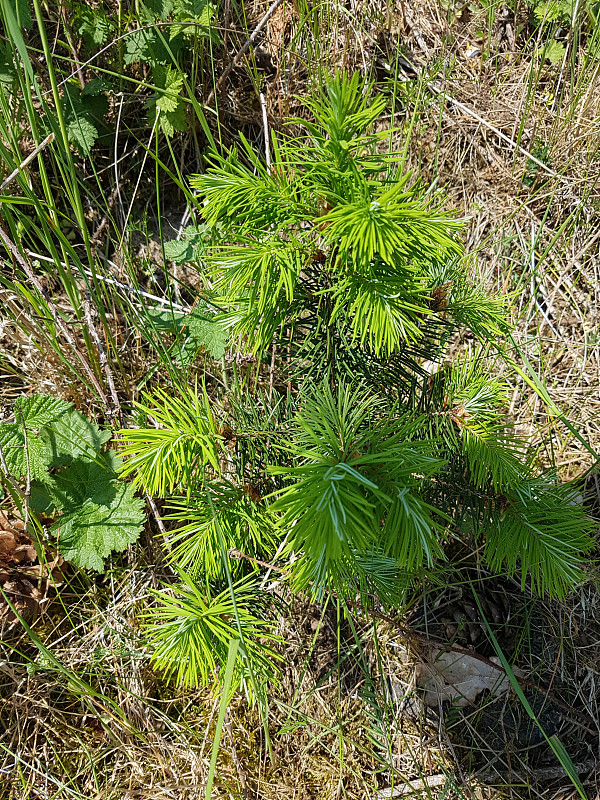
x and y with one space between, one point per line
374 449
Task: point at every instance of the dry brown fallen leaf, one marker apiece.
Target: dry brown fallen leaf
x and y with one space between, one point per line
460 678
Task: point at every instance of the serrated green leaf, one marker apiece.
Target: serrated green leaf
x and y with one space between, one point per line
209 333
83 134
94 105
40 499
90 533
202 330
139 46
39 410
160 8
97 86
169 82
171 121
193 10
179 251
552 51
94 26
167 103
185 249
12 442
73 436
35 413
84 480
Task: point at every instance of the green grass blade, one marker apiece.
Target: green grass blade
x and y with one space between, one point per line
225 696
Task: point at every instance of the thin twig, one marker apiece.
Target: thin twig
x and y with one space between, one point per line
245 47
24 163
113 282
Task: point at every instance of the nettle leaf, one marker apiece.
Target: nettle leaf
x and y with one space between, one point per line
208 332
83 134
83 110
99 512
160 8
198 11
86 535
151 48
172 121
169 82
167 103
97 86
139 46
553 51
179 251
40 410
191 9
85 480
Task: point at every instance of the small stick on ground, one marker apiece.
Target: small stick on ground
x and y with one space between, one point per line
26 161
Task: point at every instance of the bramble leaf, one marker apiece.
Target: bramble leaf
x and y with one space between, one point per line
85 479
170 81
160 8
180 251
139 46
202 330
553 51
207 332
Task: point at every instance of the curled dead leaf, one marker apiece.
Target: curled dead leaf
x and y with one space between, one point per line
461 678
